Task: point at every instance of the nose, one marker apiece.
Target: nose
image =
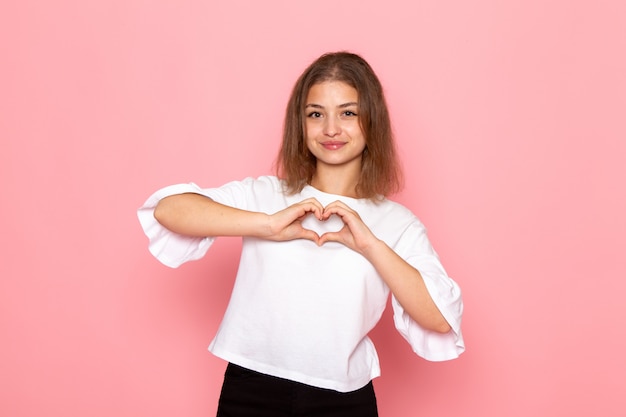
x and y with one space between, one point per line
332 127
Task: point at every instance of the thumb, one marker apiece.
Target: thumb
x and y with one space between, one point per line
330 237
310 235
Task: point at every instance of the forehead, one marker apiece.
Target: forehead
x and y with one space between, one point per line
332 92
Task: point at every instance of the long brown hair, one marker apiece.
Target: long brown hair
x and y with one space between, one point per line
380 171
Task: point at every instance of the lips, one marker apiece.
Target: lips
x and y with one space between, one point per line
333 144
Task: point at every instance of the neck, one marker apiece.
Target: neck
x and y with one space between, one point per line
333 180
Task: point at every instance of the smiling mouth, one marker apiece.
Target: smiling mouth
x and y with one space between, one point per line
333 145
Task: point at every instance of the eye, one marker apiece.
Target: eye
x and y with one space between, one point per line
349 113
314 115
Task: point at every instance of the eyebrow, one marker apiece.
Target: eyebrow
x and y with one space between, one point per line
341 106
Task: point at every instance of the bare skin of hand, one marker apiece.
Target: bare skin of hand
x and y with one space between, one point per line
196 215
354 234
287 223
405 281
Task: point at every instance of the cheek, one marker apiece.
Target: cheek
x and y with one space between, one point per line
311 132
308 141
357 132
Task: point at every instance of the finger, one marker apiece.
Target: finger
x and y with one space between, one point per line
339 208
313 201
345 239
329 237
346 215
311 205
330 210
310 235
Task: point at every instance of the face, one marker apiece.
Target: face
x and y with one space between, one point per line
333 132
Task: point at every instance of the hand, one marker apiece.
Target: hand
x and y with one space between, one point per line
287 223
354 234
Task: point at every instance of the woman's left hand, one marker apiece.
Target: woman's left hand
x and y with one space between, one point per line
354 234
404 281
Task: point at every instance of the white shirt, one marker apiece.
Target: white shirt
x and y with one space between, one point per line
303 312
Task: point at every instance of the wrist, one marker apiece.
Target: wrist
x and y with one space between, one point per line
374 248
262 225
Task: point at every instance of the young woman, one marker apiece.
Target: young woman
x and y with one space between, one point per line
322 249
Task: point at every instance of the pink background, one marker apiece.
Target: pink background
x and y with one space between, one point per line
510 116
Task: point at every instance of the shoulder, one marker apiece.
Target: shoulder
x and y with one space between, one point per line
264 183
393 210
246 193
269 180
392 221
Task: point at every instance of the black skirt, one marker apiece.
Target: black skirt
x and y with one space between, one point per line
247 393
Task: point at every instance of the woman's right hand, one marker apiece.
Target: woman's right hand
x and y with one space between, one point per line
196 215
287 224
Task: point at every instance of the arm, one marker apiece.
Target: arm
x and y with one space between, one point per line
404 281
407 285
196 215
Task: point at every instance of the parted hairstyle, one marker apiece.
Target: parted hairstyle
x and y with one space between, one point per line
380 169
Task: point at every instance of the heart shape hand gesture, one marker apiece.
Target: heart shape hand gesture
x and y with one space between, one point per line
309 220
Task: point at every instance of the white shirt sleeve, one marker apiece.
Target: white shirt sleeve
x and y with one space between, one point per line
416 249
170 248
